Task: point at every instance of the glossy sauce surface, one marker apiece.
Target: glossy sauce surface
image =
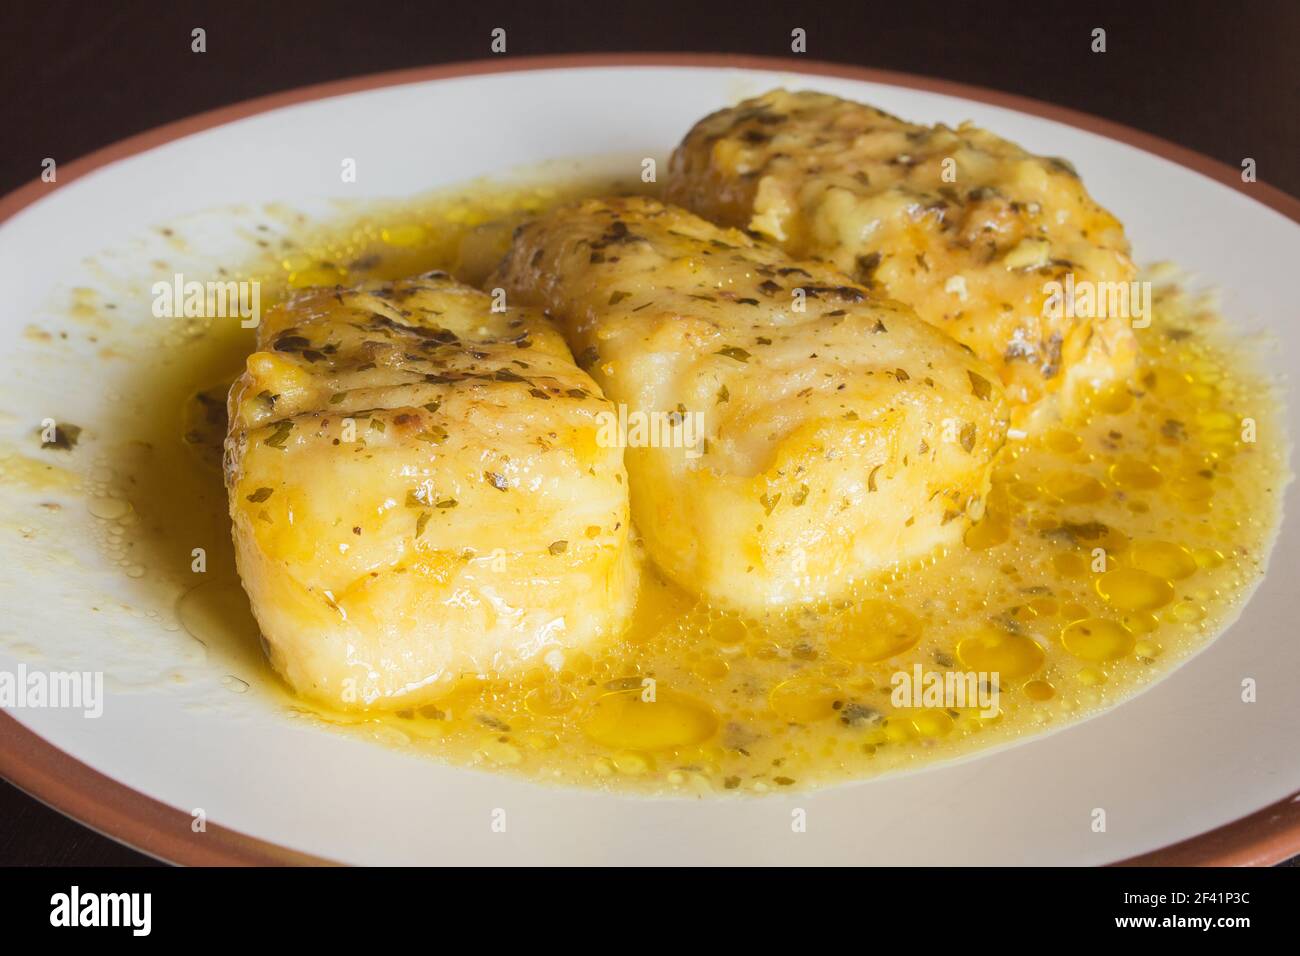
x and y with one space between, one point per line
1115 543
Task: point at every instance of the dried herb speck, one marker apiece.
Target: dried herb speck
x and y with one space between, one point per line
968 436
281 435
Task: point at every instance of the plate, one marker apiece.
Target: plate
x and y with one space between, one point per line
178 766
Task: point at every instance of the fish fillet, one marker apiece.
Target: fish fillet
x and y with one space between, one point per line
418 494
820 433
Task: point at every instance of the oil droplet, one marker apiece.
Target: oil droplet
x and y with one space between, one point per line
1192 490
932 723
804 700
1091 677
1039 690
1187 612
623 721
1074 612
1163 559
1114 399
1131 589
1209 558
1130 473
898 731
1097 639
711 668
110 509
216 614
631 763
1074 488
874 630
1045 607
1010 655
992 531
1147 650
729 631
1141 622
1069 564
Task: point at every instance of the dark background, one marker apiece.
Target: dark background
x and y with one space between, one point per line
1220 78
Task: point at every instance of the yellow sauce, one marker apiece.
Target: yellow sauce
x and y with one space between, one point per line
1114 545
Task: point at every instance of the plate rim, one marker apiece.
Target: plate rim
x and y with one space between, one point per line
75 789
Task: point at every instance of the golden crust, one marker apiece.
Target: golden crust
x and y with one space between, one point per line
964 226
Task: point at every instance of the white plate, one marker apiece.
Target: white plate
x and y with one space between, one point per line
1183 758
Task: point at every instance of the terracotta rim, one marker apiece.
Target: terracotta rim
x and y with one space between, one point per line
101 803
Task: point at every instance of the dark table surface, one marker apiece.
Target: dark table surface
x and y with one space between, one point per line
1219 78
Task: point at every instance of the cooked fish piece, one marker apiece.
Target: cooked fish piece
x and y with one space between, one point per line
418 493
815 433
964 226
